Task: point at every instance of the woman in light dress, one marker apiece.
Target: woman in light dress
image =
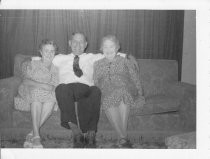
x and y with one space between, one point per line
38 90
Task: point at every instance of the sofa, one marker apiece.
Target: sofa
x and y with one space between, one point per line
170 105
181 141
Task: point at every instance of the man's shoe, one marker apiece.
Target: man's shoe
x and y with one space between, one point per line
78 141
125 143
90 139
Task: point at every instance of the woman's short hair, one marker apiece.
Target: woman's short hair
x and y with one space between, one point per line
111 38
48 42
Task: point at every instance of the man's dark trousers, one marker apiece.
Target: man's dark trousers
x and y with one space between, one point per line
88 98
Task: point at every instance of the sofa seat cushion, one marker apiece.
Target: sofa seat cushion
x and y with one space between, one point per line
157 104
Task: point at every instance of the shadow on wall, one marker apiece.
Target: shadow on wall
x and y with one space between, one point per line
189 48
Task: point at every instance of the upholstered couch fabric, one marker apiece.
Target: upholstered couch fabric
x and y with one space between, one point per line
170 105
157 74
181 141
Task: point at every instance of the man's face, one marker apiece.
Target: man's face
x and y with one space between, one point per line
78 44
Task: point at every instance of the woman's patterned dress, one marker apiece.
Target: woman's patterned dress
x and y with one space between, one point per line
118 80
35 70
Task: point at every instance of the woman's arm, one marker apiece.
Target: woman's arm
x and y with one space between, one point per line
55 76
132 60
133 69
28 71
38 84
26 68
95 74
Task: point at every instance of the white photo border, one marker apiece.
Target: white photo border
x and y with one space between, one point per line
202 8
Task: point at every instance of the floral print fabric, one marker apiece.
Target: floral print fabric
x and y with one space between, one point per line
118 81
35 70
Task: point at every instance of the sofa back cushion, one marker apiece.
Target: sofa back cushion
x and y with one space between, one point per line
156 74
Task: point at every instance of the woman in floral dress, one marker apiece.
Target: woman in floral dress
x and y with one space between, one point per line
38 90
120 85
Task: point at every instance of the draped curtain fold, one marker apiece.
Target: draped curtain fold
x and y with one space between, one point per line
154 34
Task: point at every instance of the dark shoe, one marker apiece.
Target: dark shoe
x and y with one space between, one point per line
78 141
90 139
78 138
125 143
114 146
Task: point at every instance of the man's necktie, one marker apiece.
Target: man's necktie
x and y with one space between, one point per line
78 72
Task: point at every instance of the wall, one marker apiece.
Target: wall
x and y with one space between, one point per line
189 48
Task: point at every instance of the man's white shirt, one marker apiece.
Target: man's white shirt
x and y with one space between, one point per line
64 63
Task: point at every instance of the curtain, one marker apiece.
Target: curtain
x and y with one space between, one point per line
154 34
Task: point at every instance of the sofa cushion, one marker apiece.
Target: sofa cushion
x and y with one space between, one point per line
157 74
158 104
181 141
8 89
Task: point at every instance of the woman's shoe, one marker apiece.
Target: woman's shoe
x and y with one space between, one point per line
125 143
28 143
36 142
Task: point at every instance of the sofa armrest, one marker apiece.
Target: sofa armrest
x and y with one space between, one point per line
186 93
8 90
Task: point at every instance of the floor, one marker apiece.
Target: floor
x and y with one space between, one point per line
50 142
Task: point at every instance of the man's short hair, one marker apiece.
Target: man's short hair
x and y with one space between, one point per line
73 34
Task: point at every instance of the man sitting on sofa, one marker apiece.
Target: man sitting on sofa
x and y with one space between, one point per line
76 85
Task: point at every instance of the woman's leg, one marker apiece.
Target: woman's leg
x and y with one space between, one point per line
47 110
40 112
124 113
36 108
113 114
